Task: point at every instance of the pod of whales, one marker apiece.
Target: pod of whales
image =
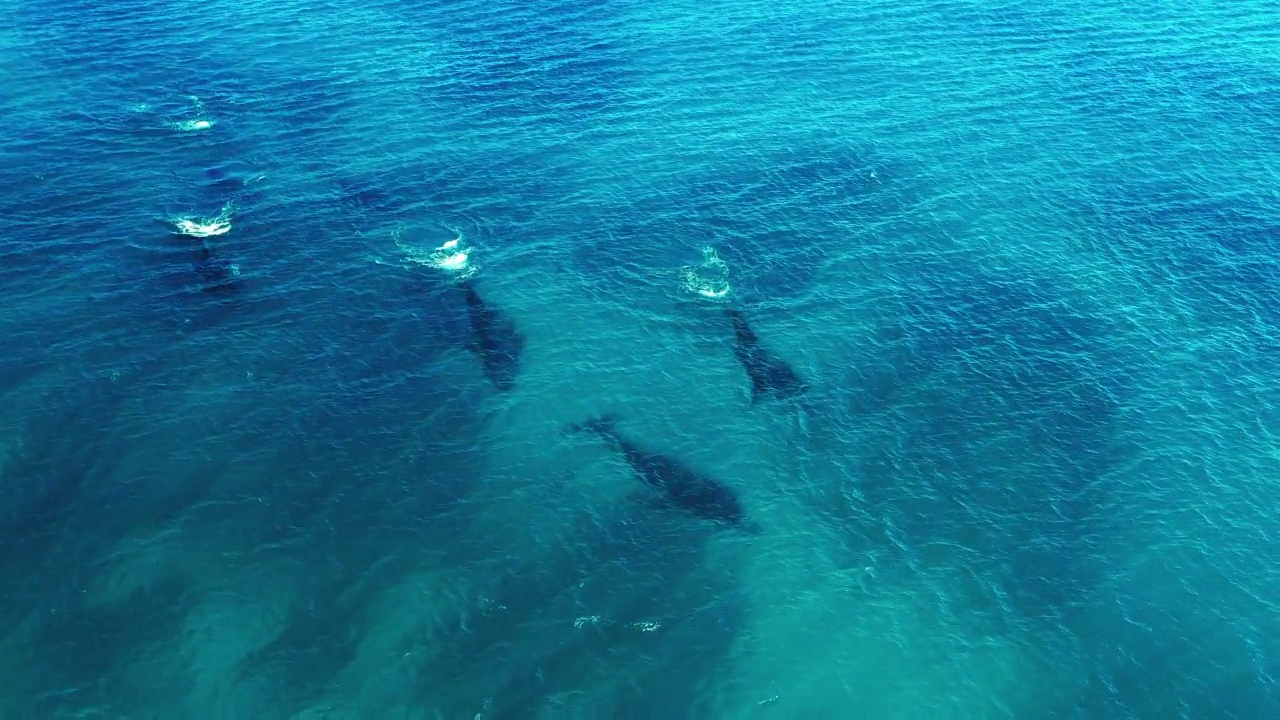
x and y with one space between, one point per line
770 375
494 339
678 485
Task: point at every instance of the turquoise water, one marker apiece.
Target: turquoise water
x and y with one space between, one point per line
1023 255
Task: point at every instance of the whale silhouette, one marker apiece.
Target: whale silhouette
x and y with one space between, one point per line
770 375
494 339
678 485
216 274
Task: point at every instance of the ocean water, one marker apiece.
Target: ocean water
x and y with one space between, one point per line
257 459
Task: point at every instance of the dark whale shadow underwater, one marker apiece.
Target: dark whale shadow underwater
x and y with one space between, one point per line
679 486
771 376
494 339
217 275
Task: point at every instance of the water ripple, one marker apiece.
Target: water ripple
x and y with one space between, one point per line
1022 257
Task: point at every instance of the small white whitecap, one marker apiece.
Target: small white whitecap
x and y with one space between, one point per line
195 125
456 261
451 256
205 227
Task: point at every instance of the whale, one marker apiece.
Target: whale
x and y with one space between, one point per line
494 339
215 273
678 485
770 375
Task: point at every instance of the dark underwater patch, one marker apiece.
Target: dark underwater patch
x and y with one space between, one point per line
996 420
1217 244
571 622
82 654
319 635
65 445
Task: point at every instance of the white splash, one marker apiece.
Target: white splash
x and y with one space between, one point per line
199 122
205 227
587 620
711 278
449 257
453 256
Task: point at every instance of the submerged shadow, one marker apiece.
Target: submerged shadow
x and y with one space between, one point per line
585 619
988 444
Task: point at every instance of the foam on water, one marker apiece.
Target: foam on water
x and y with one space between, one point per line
452 256
710 279
220 224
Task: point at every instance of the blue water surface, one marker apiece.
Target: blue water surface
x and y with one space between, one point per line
264 455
